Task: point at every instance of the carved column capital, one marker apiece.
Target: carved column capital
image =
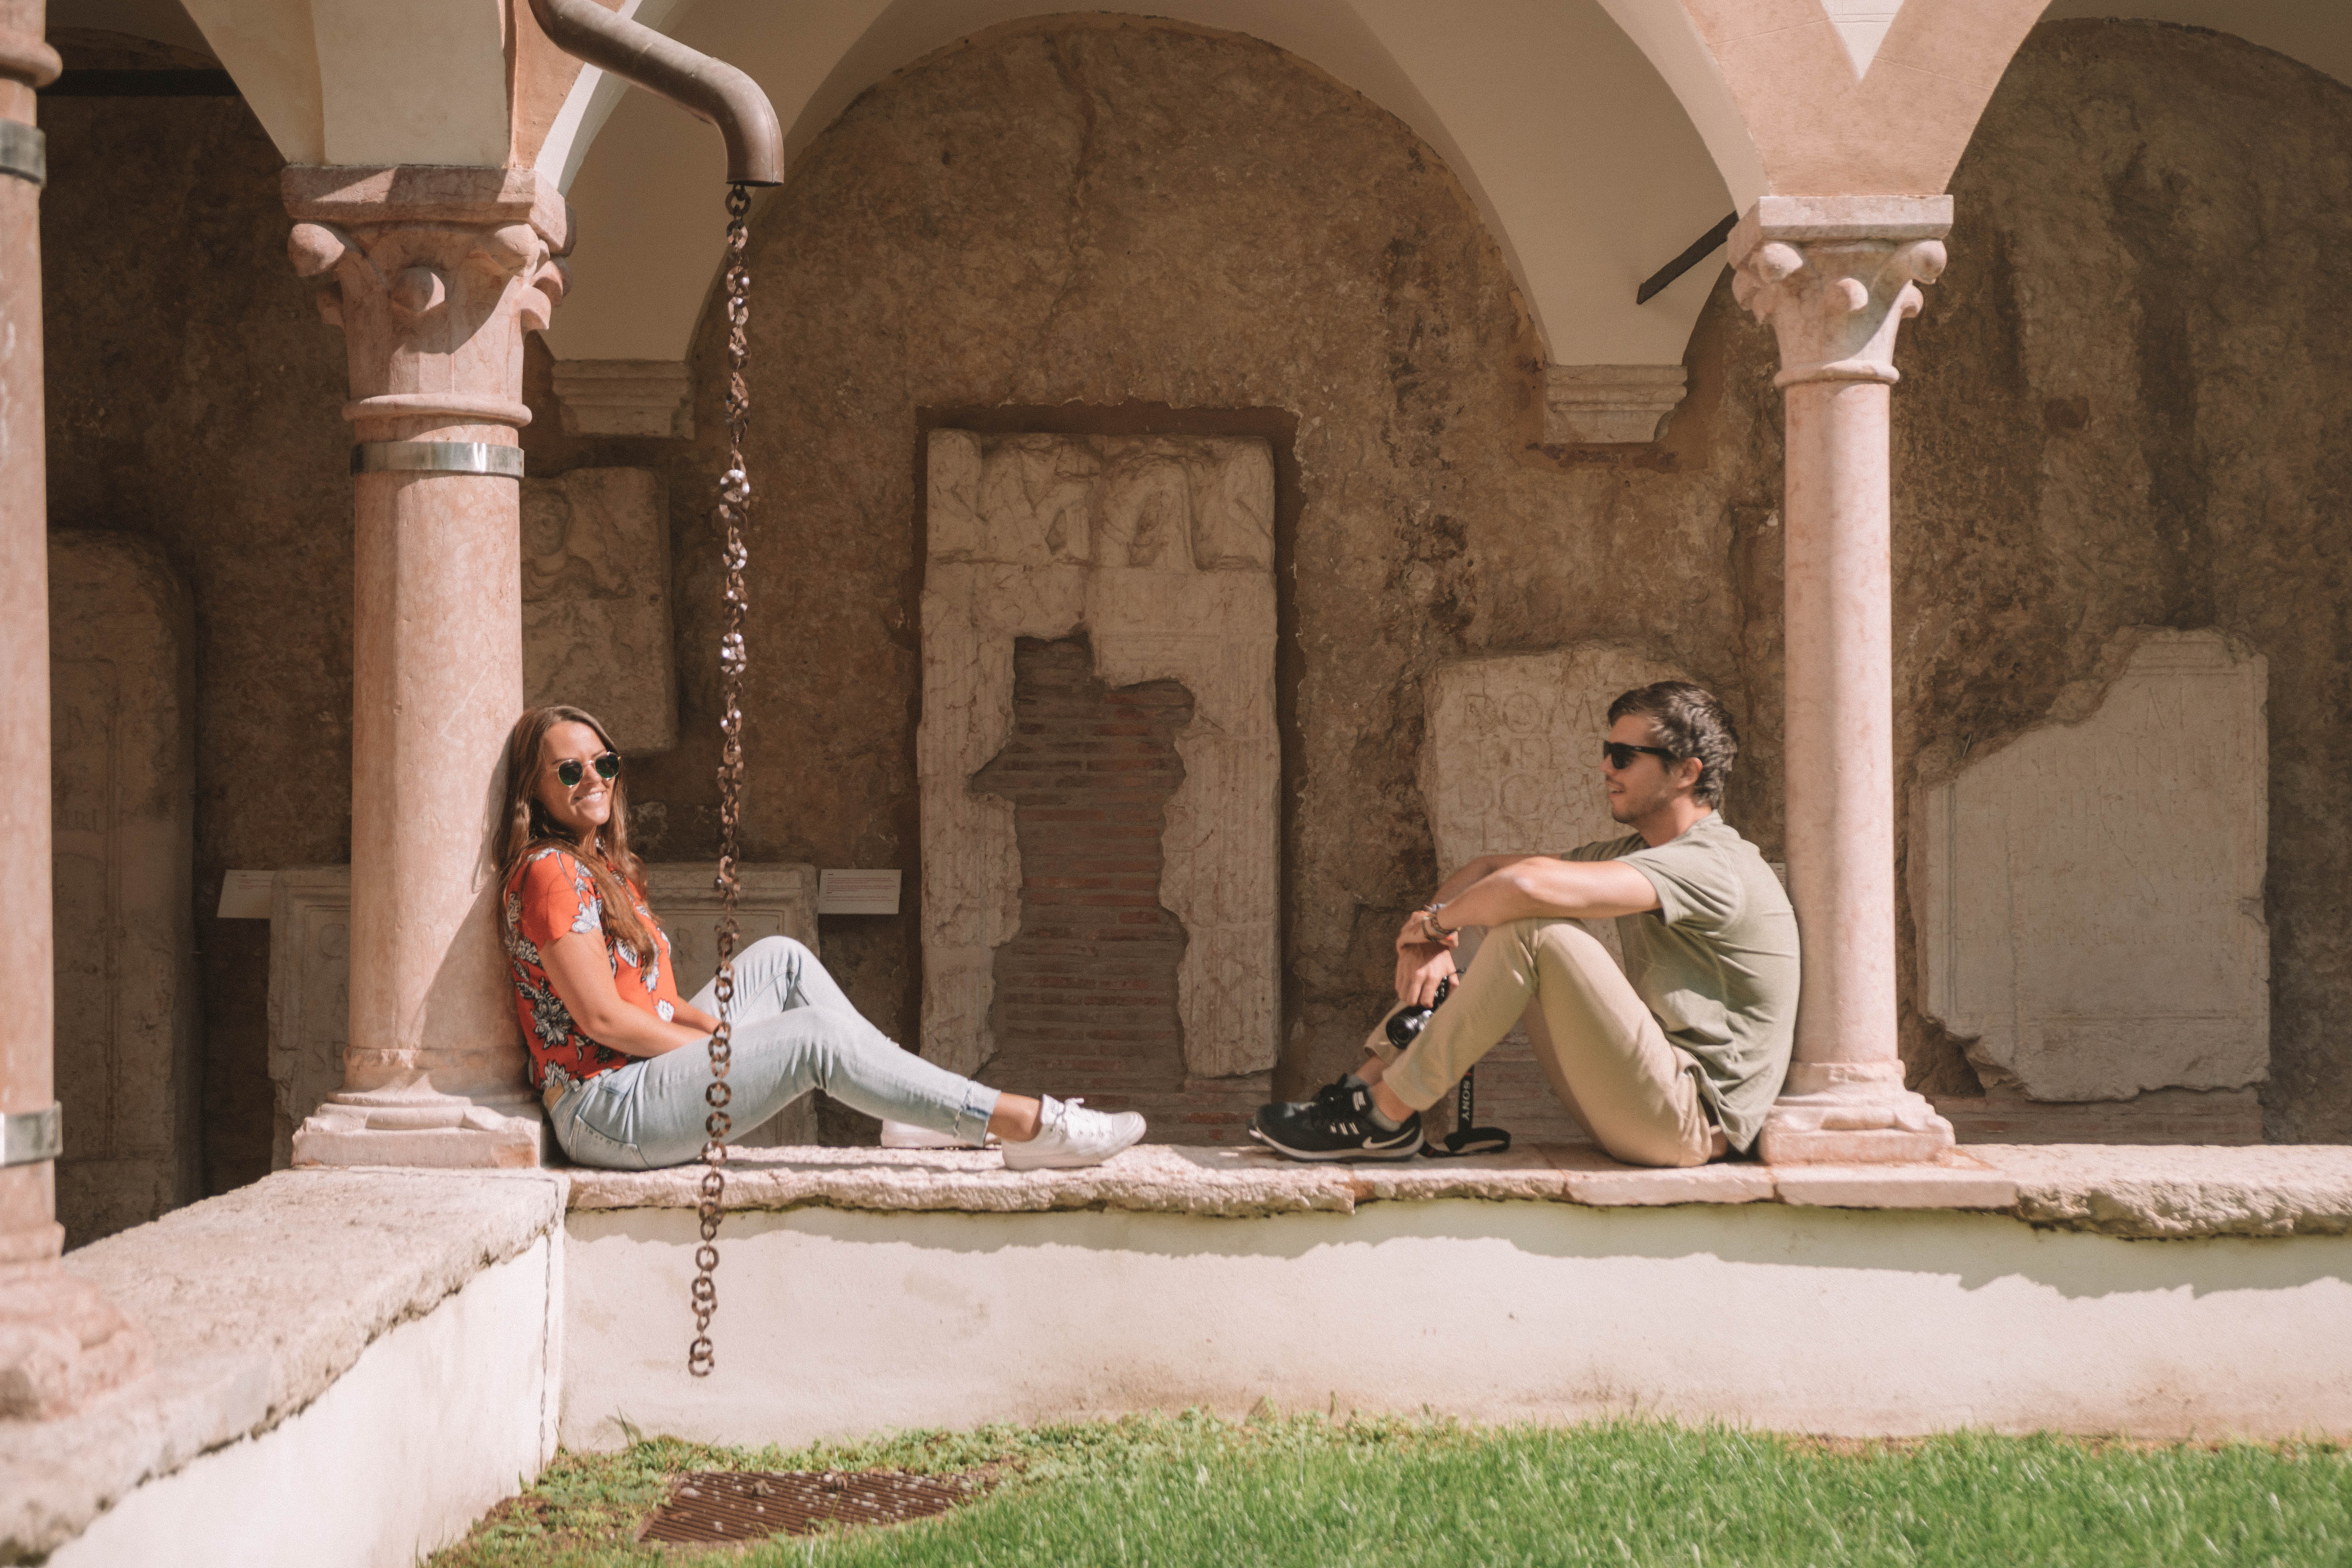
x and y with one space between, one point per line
1835 277
434 274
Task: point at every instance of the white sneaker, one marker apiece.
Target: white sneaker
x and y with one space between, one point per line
907 1135
1069 1134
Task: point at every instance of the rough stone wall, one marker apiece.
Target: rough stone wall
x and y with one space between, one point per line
1081 216
194 399
2129 402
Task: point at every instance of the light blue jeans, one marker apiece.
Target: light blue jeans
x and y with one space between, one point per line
793 1031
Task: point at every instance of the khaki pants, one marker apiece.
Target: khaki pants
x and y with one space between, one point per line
1633 1090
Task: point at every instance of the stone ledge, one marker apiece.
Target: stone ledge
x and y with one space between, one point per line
255 1303
1226 1184
2167 1191
2122 1190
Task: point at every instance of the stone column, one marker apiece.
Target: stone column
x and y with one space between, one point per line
435 275
1835 277
60 1341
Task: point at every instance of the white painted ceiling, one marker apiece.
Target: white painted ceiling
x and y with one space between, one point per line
1586 166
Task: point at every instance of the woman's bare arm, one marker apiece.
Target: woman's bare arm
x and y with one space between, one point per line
580 966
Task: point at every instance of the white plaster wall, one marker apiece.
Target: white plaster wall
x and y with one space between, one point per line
436 1421
835 1322
269 47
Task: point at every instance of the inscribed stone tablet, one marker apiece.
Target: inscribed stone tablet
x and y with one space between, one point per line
1162 548
122 815
1513 758
2089 899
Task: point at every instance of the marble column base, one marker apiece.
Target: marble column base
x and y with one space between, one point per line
418 1125
1851 1113
62 1343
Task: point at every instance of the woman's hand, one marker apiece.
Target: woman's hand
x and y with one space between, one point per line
1421 965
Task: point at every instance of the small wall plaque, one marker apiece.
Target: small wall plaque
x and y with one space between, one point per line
245 895
858 893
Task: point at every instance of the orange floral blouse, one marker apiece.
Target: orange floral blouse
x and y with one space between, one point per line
551 896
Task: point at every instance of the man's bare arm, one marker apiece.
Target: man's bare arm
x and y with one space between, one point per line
1476 871
1495 889
1538 887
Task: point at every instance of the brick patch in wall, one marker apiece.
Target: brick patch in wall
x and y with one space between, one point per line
1086 991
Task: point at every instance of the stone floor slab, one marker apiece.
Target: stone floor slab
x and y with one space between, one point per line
1594 1178
1958 1184
2181 1190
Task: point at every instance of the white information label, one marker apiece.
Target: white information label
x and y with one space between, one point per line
858 893
245 895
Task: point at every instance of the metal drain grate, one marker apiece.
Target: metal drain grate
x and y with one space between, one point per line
713 1506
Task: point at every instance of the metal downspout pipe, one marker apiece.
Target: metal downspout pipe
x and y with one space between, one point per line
709 90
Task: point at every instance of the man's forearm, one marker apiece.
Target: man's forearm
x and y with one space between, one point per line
1537 887
1470 875
1493 900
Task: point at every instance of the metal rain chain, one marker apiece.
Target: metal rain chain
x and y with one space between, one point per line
734 512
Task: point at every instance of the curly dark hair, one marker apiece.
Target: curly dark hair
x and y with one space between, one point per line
1689 723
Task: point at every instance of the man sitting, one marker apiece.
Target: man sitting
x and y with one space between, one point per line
1672 1061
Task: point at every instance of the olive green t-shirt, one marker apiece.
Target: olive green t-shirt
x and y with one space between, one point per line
1715 962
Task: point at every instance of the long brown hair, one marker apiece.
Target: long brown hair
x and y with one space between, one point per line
531 829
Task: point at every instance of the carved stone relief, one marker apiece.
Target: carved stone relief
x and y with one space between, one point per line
1162 547
122 820
2089 899
309 994
595 601
310 968
1513 758
1512 764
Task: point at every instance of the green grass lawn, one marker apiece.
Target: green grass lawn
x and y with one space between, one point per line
1195 1490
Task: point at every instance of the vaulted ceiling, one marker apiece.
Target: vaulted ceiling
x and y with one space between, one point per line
1596 138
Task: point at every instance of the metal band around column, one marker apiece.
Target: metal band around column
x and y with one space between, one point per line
28 1137
436 458
24 151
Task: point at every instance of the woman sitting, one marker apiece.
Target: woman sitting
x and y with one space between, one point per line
622 1062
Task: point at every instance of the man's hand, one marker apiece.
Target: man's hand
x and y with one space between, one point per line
1420 966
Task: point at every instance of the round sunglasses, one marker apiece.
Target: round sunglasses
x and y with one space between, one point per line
1621 756
571 770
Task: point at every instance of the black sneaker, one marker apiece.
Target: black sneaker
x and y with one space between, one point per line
1336 1124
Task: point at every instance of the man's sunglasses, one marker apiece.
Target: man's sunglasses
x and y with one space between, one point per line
1620 754
571 770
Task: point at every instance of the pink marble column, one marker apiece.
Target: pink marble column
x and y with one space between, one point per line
60 1341
435 275
1835 277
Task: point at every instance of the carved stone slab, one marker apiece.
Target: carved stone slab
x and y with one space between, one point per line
1512 764
1162 547
122 821
2089 899
310 969
595 601
309 994
1513 758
